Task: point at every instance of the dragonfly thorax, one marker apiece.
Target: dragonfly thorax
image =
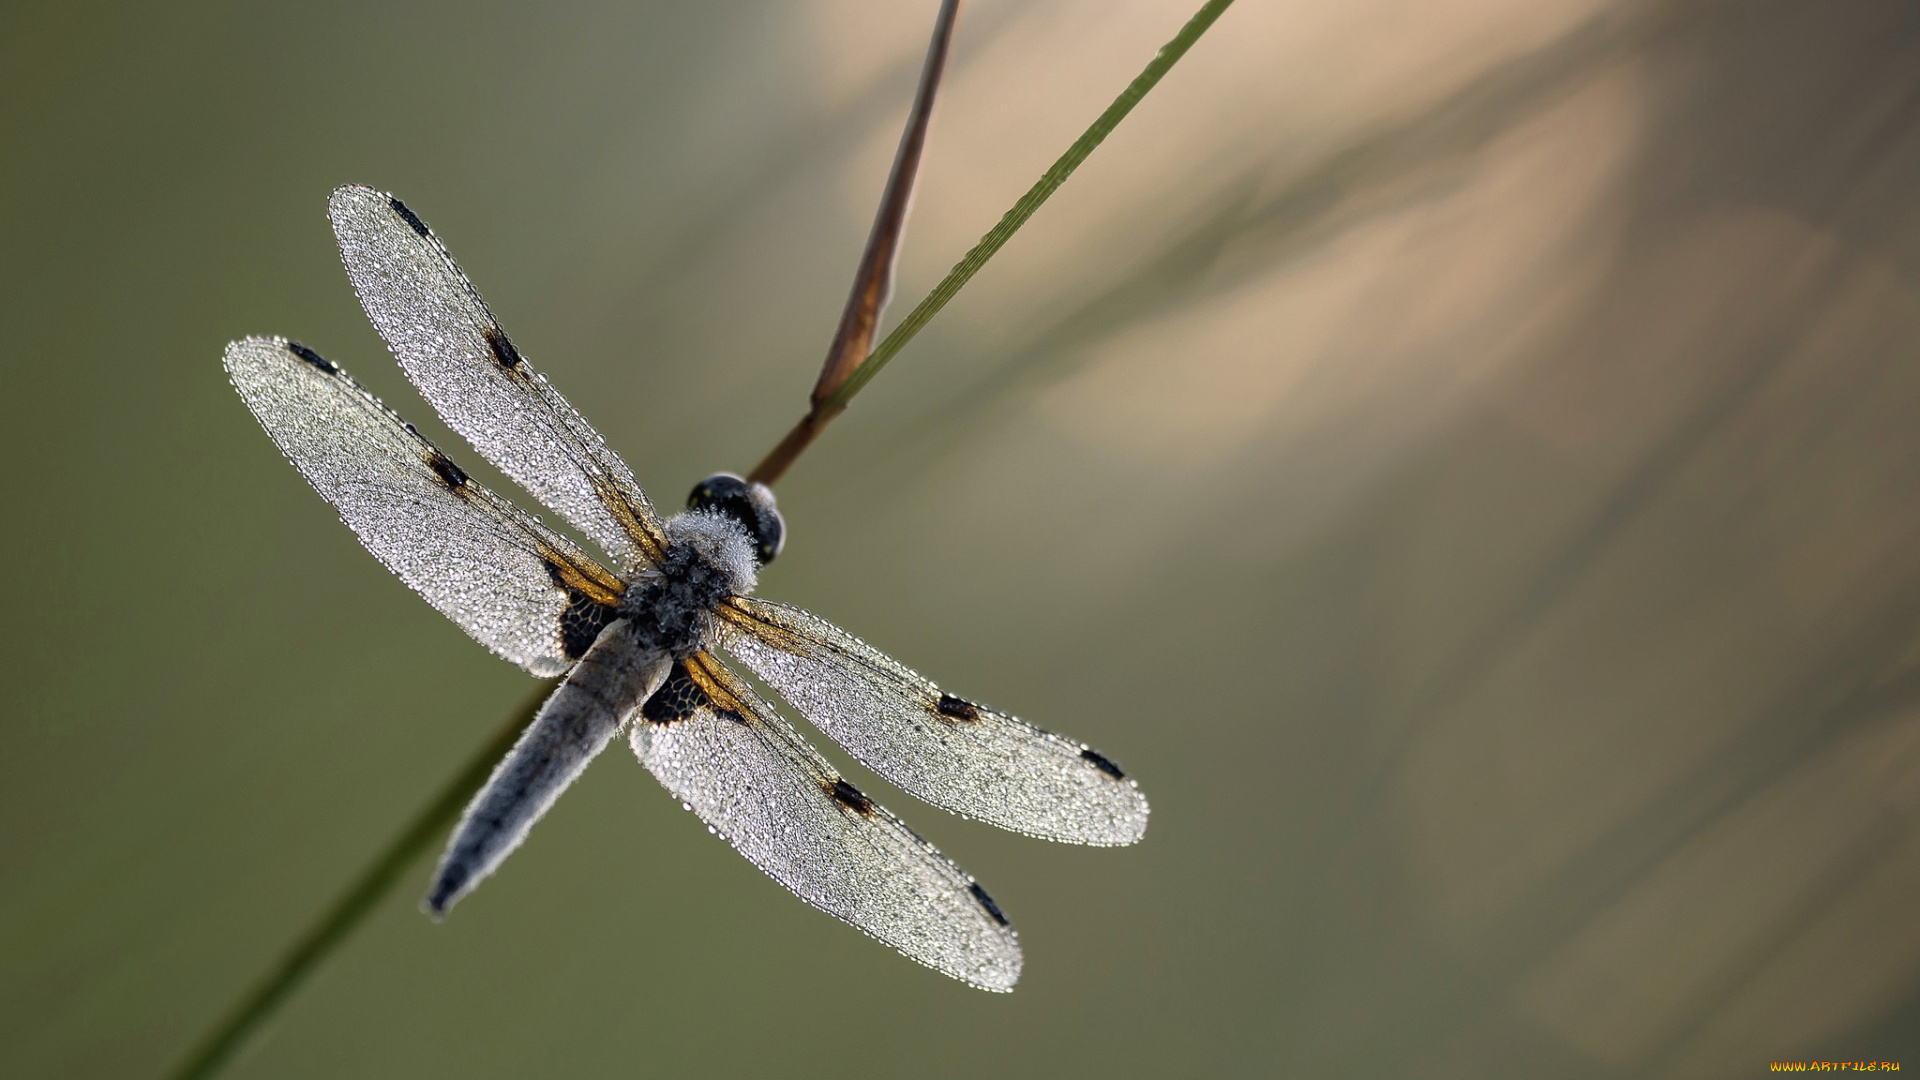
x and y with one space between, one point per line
709 558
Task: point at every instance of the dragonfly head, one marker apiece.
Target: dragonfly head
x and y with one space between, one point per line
670 605
749 504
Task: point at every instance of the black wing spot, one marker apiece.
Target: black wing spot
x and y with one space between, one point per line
409 216
985 901
503 351
1101 763
450 475
849 796
581 623
313 358
677 699
954 708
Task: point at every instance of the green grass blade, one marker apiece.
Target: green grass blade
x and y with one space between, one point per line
350 909
1010 222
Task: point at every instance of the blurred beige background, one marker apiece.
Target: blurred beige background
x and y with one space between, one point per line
1460 455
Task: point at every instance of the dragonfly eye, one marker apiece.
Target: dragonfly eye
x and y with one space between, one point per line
749 504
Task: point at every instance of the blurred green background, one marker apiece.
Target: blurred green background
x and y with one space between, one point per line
1459 454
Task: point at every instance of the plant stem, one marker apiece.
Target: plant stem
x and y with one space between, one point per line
873 280
352 907
996 238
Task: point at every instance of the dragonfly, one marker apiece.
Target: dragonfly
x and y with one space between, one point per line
644 636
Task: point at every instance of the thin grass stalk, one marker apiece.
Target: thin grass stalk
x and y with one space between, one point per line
829 405
1049 182
427 829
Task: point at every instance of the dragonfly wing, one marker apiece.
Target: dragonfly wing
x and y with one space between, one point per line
454 350
935 746
518 587
746 772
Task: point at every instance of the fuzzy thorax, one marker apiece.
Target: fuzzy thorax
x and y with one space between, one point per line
709 557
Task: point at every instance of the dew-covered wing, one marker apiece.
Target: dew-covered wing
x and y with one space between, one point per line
454 350
746 772
945 749
518 587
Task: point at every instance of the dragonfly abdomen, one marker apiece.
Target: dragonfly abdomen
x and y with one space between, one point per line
612 680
